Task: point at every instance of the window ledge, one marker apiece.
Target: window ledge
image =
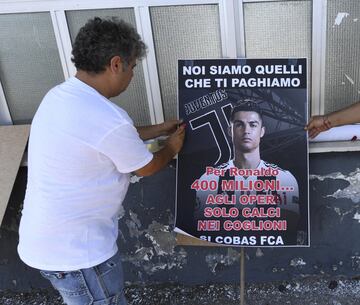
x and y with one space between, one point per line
337 139
338 146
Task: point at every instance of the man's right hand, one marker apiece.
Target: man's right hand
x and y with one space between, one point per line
176 140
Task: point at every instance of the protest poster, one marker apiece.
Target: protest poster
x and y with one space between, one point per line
242 175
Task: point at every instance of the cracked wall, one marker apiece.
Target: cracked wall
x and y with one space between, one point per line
150 253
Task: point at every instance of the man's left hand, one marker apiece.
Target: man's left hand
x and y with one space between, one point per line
169 127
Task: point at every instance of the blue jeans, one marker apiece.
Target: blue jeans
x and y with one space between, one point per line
99 285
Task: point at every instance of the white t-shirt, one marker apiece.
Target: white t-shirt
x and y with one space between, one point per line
287 200
82 148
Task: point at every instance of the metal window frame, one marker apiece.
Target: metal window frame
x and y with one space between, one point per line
240 29
144 28
63 40
227 28
318 57
5 117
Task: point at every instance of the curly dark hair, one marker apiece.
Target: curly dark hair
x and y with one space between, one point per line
101 39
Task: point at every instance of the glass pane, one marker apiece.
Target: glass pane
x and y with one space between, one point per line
134 99
29 62
198 37
342 73
278 29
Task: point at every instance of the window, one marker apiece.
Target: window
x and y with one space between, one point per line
43 32
29 62
342 73
172 44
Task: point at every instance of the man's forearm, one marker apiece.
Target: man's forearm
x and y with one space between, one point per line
171 148
348 115
149 132
160 160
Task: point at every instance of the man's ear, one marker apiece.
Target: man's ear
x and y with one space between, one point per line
115 64
262 131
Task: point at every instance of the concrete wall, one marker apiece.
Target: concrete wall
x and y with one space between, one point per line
150 253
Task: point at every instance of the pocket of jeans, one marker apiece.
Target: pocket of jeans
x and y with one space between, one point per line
52 274
107 266
69 284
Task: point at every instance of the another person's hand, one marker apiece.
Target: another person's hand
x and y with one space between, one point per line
317 124
176 140
170 126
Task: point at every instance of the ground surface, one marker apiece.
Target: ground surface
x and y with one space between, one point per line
304 292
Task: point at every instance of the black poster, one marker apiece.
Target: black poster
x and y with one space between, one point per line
242 175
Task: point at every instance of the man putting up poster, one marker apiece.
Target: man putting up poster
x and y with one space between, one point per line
242 176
